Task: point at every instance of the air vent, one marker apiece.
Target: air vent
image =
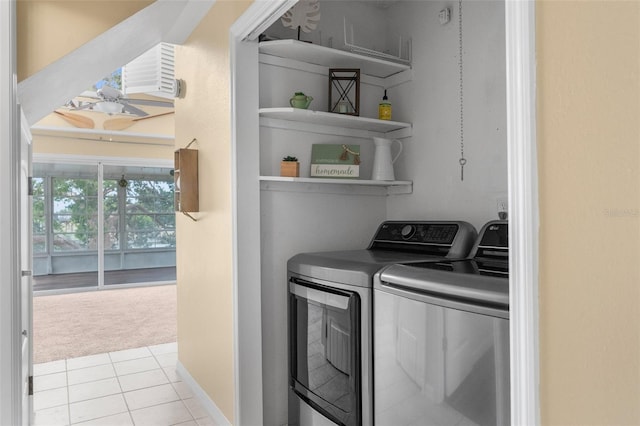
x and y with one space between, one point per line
151 73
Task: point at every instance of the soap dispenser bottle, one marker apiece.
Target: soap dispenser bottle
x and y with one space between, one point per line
384 108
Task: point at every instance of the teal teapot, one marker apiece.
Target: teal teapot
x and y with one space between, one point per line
300 100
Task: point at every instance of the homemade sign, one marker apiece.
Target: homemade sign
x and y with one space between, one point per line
335 161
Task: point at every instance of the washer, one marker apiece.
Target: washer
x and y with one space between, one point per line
441 338
330 300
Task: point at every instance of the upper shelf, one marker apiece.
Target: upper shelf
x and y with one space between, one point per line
332 119
333 58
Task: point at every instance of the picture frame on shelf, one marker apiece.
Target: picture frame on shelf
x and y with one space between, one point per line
339 161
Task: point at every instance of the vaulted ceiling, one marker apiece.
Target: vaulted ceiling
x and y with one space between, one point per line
170 21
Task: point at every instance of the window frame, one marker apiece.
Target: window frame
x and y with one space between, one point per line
99 162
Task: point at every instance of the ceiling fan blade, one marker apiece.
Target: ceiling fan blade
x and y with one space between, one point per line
133 110
76 119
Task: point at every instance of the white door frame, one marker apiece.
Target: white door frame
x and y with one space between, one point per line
26 267
245 167
10 306
523 206
523 210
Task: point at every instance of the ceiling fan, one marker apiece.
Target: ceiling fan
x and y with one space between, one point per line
112 101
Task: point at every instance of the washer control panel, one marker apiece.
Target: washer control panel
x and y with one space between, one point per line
418 232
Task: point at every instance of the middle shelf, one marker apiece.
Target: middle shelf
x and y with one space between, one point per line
337 186
331 122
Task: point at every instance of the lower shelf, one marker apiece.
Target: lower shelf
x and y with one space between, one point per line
335 186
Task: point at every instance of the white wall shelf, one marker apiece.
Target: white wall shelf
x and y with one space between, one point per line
331 121
335 186
328 57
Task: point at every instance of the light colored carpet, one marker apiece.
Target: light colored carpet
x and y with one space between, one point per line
78 324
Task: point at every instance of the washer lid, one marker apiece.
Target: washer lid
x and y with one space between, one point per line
462 280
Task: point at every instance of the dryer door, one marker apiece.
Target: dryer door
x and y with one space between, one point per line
324 349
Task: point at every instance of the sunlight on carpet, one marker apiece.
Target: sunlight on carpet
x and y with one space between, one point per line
79 324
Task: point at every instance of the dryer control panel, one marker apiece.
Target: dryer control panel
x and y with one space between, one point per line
432 237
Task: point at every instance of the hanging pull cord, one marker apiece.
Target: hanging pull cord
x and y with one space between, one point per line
462 160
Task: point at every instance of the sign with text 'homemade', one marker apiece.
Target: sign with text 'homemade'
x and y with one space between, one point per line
335 161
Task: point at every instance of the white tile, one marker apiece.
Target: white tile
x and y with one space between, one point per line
56 416
206 421
147 397
49 398
146 379
95 389
122 419
49 367
168 359
165 348
91 374
162 415
184 391
189 423
136 366
129 354
96 408
87 361
172 374
196 409
50 381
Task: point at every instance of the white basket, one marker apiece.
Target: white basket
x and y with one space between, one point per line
404 47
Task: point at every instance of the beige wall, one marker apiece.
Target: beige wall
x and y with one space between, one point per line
588 55
49 29
72 146
114 144
204 255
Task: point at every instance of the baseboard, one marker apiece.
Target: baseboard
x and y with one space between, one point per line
212 409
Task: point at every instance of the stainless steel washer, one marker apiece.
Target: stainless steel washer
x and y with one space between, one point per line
330 345
441 338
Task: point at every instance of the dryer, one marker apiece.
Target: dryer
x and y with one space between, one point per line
330 317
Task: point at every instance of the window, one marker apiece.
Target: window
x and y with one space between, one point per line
112 213
74 218
39 216
138 218
150 219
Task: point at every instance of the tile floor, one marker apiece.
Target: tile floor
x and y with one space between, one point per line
131 387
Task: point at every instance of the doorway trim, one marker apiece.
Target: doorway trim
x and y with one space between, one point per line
10 292
245 207
523 210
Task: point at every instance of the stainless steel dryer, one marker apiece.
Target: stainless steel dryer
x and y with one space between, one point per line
441 338
330 359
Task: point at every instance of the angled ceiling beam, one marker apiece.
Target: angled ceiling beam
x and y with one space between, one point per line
170 21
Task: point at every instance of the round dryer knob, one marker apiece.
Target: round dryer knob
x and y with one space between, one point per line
408 231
